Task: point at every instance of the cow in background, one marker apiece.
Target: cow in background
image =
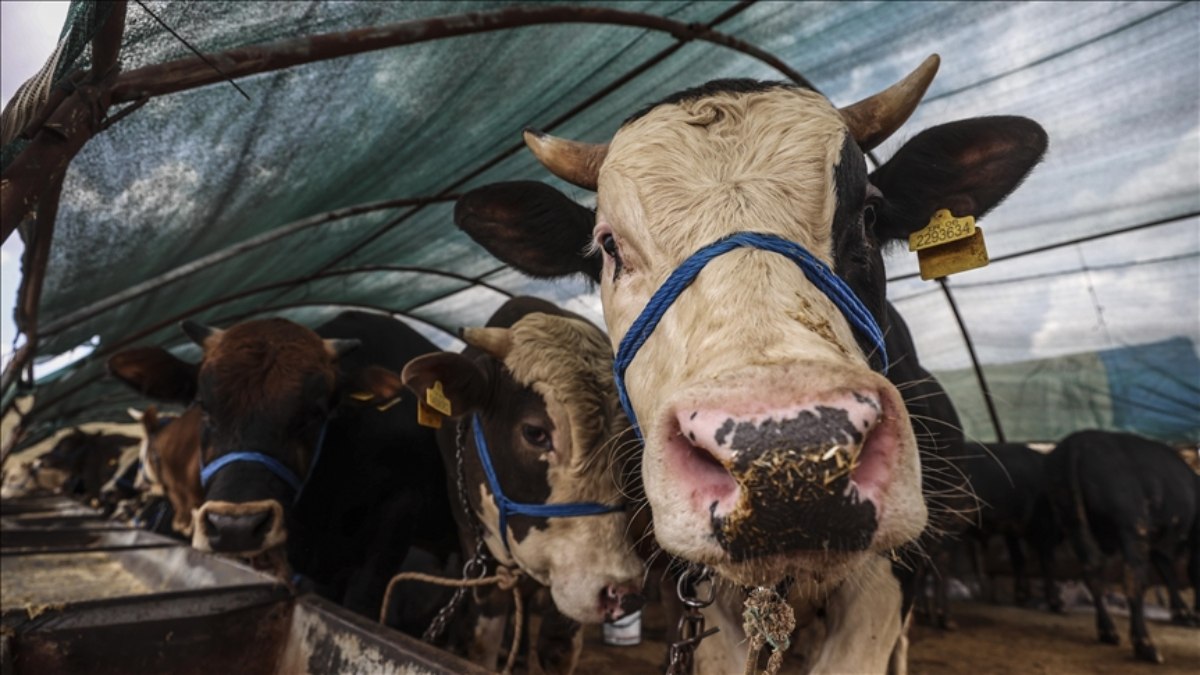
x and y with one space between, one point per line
170 460
1009 480
538 382
308 446
1120 493
79 465
753 375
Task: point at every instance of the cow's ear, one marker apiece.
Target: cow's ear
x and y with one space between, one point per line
382 383
531 226
156 373
463 382
968 167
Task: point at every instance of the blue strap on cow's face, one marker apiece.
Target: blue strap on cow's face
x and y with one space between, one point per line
207 472
508 507
817 272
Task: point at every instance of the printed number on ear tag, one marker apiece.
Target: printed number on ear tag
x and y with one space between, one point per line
428 417
436 398
943 228
956 256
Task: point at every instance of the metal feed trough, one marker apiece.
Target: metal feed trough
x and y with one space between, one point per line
82 594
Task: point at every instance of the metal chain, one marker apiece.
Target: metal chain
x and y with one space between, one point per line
476 567
682 653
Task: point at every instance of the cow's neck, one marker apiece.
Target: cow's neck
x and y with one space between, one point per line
849 626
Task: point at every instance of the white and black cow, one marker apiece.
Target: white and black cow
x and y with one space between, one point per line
536 387
304 448
773 447
1117 493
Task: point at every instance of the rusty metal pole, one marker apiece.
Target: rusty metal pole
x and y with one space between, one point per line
983 385
33 184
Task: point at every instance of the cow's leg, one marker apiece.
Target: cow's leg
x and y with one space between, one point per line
979 561
1133 547
941 582
1193 567
488 634
555 641
1016 557
1180 614
1046 560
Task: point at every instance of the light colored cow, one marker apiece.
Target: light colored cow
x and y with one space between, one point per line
774 448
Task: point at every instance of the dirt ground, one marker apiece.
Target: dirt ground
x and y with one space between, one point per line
991 639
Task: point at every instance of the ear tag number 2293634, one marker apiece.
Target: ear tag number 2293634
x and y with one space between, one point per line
948 245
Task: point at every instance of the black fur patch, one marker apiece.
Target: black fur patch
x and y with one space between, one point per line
796 500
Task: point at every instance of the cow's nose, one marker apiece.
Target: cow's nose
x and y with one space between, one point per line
780 479
237 533
619 600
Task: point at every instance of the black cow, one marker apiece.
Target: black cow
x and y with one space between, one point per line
1120 493
333 463
1009 479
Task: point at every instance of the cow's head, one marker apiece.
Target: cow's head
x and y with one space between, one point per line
543 392
264 387
771 446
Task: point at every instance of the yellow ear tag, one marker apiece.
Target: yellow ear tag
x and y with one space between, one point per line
362 396
437 400
948 245
427 417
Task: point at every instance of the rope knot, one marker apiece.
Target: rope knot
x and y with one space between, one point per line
507 577
767 619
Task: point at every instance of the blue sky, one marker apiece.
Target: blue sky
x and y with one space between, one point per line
28 33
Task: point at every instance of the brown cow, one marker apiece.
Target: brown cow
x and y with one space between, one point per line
170 456
773 450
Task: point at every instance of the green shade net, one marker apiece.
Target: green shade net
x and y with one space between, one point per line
192 175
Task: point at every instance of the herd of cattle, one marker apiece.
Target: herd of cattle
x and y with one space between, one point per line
767 417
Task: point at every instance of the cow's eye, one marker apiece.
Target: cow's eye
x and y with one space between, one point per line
869 216
537 436
608 243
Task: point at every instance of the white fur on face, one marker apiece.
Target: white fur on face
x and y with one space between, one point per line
751 331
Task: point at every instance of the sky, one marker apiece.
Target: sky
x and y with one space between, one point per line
28 33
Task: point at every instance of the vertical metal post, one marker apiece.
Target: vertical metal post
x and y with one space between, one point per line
983 385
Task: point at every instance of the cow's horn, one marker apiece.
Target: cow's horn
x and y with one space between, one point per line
572 161
494 341
873 119
199 333
135 414
342 346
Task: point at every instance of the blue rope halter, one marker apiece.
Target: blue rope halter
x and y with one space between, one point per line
816 271
508 507
273 465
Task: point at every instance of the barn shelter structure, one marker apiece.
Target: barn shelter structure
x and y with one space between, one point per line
222 161
309 162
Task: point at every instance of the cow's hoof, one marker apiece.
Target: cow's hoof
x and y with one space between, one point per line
1110 638
1146 651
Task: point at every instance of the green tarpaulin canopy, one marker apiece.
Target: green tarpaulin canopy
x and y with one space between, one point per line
205 205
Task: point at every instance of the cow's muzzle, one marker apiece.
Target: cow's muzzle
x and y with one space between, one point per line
783 480
241 529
